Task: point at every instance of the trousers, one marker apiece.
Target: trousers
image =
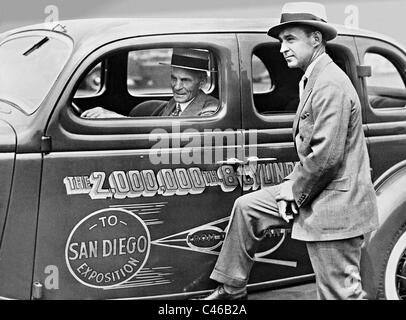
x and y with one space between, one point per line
336 263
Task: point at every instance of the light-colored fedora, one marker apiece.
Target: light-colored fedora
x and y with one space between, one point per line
304 13
192 59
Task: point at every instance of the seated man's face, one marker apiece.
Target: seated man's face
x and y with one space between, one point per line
185 84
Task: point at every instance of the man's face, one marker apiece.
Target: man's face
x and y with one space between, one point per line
297 47
185 84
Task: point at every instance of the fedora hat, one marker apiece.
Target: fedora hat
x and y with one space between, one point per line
304 13
192 59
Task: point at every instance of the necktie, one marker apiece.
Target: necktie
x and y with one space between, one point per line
302 85
177 111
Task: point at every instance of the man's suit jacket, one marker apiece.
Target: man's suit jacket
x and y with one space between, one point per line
202 105
332 182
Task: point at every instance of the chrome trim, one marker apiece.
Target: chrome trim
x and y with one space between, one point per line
250 286
140 152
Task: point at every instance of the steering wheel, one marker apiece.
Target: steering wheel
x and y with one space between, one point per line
75 107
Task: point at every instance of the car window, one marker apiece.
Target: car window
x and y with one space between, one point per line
29 67
92 83
384 73
261 79
140 83
274 85
386 88
148 73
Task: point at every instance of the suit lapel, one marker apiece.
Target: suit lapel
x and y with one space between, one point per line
303 100
195 106
169 108
192 109
324 61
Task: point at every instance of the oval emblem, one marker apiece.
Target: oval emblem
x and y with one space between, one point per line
208 238
107 248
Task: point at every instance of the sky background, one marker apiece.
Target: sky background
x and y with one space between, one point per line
387 17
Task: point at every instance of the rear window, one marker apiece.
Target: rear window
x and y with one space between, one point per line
384 72
29 67
386 87
274 85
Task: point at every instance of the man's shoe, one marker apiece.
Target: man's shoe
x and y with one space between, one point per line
220 294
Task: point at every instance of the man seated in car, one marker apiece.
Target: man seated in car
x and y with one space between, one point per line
189 69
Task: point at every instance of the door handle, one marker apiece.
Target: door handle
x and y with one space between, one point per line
231 161
256 159
234 161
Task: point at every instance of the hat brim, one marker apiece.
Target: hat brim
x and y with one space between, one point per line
184 67
328 31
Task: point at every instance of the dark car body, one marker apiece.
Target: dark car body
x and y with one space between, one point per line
138 207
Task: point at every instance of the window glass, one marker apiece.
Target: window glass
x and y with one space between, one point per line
386 89
142 83
92 83
29 67
384 73
148 73
274 85
261 79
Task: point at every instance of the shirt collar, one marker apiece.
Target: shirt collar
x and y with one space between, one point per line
184 105
312 65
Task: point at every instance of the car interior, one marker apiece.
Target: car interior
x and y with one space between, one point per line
107 83
284 98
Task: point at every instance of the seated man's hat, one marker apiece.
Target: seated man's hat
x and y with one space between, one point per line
304 13
192 59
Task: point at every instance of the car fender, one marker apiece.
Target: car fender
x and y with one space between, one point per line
391 198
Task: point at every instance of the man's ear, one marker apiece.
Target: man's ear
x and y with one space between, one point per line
202 82
317 38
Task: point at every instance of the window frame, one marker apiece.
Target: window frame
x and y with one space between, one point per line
69 132
375 117
114 88
269 75
386 90
393 59
256 110
103 77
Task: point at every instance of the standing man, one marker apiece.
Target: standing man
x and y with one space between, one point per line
189 68
329 194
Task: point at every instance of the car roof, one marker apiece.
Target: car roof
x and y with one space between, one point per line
102 30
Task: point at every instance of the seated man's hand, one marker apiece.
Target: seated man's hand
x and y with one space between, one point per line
286 201
100 112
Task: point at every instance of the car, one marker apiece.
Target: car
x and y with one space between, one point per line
138 207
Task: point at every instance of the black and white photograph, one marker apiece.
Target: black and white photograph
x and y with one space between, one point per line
202 154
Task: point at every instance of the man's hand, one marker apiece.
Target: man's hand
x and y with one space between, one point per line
285 191
283 206
100 112
286 200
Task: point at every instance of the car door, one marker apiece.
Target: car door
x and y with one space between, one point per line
269 102
137 207
384 95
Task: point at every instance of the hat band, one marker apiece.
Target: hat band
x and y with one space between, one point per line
287 17
190 62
